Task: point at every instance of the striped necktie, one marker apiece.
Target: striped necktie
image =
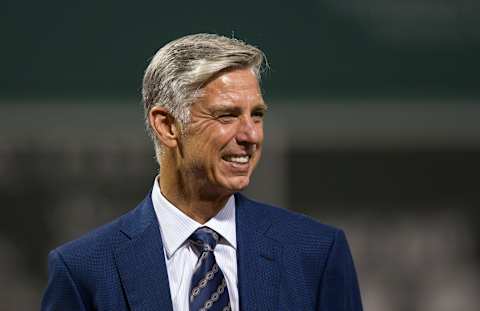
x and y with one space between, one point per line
208 289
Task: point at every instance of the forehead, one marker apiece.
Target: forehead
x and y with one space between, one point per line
231 86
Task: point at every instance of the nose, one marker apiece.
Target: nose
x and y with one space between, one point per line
249 132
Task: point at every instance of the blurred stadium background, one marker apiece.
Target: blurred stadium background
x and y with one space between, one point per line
374 126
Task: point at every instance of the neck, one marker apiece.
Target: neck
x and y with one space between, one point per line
193 201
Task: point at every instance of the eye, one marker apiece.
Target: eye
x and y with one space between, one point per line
226 118
258 115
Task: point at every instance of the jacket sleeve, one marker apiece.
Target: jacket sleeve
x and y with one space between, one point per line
339 290
61 293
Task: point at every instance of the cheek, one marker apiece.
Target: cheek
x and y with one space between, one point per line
223 136
260 132
209 147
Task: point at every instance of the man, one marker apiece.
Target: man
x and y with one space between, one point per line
195 243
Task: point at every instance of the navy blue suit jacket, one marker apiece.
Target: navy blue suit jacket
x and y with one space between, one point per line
286 261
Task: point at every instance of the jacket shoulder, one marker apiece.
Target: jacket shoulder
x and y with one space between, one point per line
92 241
291 227
98 243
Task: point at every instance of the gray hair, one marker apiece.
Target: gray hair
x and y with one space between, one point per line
179 70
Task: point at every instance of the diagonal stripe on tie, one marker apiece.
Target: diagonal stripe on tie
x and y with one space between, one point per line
208 289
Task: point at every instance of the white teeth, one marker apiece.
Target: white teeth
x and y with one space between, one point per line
241 160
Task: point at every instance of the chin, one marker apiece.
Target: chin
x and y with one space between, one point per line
236 184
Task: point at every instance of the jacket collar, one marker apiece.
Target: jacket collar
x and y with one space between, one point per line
140 258
258 257
141 262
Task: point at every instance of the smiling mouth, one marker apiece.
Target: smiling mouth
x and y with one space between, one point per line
237 159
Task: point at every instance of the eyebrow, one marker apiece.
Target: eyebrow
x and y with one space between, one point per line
225 107
262 105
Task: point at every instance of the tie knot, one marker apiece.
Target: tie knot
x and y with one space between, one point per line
204 239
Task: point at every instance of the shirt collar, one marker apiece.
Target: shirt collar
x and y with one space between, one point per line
176 227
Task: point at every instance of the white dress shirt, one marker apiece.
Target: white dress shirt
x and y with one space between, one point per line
180 258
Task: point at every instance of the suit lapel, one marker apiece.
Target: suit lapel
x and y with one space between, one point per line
140 261
257 258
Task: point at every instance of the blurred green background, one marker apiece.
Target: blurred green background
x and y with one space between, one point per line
374 127
322 47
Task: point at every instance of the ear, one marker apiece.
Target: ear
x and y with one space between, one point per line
163 126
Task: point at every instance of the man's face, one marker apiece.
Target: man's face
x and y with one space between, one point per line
223 141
